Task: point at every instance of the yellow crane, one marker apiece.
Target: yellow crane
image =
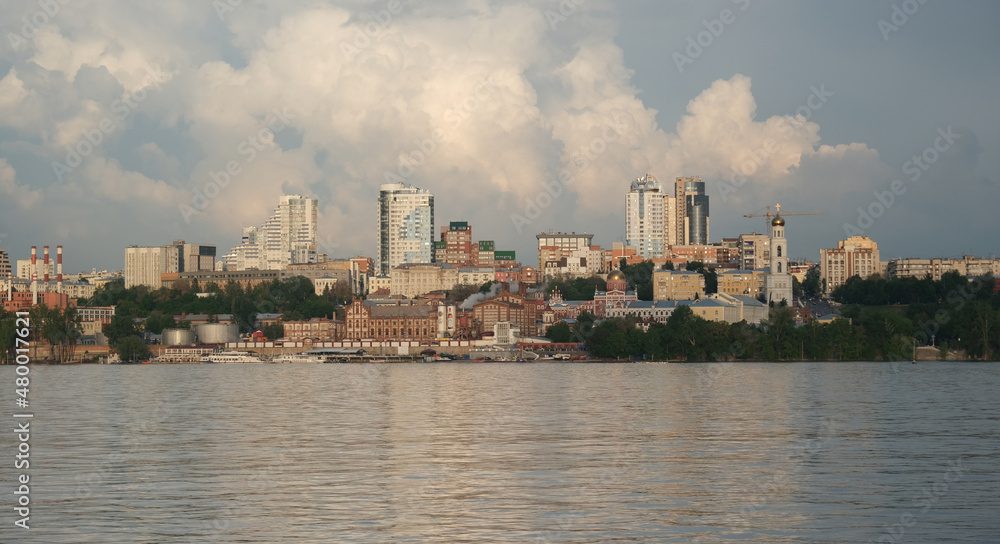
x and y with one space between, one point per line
766 213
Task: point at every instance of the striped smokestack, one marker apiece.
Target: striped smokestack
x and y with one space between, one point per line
59 269
45 264
34 275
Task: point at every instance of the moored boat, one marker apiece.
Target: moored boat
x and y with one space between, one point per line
299 358
231 357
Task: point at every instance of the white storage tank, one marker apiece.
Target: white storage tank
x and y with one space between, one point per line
178 337
216 333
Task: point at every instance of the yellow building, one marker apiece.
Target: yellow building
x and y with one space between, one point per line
856 256
742 282
678 285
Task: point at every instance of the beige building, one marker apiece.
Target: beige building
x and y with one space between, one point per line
318 328
755 251
414 279
555 246
920 268
742 282
143 265
475 275
678 285
856 256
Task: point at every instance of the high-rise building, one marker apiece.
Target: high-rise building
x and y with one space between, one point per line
755 251
405 226
650 223
287 237
458 246
856 256
143 265
778 284
4 265
556 246
691 211
194 257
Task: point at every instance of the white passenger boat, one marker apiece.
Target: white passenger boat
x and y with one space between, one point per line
299 358
502 353
231 357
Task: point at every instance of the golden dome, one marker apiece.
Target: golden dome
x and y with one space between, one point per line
616 275
778 221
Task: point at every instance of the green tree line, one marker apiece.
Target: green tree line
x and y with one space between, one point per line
965 315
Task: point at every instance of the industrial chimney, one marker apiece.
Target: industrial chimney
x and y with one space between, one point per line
59 284
34 275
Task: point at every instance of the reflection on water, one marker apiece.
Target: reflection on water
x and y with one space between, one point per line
797 453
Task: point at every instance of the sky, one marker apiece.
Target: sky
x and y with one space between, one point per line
126 123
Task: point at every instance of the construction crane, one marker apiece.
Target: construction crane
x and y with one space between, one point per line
766 213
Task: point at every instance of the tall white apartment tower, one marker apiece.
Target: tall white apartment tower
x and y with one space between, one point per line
778 284
287 237
650 217
405 226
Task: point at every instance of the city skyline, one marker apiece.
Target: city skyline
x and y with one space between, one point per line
105 150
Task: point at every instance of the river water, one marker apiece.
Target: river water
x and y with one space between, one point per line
544 453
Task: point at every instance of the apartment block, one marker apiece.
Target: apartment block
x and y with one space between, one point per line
935 268
742 282
678 285
856 256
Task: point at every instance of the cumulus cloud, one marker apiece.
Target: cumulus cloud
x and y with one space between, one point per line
481 103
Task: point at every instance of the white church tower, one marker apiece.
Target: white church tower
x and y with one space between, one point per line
778 285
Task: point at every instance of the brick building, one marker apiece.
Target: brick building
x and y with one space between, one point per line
410 320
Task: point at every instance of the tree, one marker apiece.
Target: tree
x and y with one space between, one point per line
132 348
487 286
980 323
274 331
244 312
559 333
811 285
316 307
640 277
157 321
8 332
121 326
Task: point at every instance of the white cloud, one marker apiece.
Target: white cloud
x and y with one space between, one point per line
509 101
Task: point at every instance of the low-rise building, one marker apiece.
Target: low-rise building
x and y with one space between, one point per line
704 253
318 329
398 320
742 282
20 301
99 314
678 285
968 265
722 308
475 275
412 280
